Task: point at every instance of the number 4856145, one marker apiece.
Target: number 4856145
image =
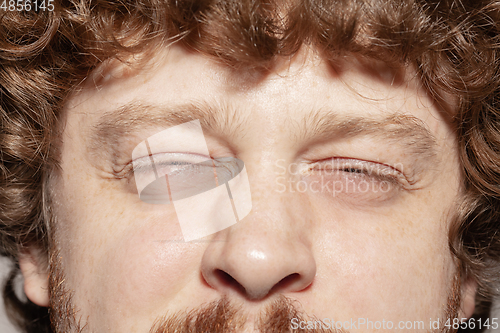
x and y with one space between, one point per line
26 5
472 323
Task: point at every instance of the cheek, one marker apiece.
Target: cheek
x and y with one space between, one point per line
124 261
144 270
121 257
392 269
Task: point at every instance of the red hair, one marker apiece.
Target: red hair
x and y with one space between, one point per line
44 55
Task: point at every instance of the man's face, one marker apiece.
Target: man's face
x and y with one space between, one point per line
353 172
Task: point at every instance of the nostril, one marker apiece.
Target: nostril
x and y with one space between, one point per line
257 271
286 282
228 281
223 277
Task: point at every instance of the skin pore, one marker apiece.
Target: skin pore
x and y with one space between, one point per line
371 243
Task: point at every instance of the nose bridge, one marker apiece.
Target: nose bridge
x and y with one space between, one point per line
269 250
275 211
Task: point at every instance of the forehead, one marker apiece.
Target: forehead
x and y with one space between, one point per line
176 74
301 92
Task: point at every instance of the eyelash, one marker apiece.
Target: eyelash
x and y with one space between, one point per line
359 168
168 159
148 167
184 164
144 164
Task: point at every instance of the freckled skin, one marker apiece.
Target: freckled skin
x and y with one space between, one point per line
382 258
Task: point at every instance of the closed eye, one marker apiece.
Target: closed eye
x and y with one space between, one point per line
357 167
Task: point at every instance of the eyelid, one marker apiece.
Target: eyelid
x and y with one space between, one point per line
188 158
369 168
174 155
145 162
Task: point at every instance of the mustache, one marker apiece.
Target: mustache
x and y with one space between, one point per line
223 317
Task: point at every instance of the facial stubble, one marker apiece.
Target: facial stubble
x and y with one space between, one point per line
220 316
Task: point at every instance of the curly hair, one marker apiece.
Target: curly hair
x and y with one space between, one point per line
454 45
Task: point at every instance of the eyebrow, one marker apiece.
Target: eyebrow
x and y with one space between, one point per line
115 126
401 130
128 118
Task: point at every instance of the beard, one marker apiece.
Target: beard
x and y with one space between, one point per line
220 316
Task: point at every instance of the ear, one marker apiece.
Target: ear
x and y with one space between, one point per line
36 276
469 290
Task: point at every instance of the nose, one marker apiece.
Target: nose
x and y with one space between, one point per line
267 252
